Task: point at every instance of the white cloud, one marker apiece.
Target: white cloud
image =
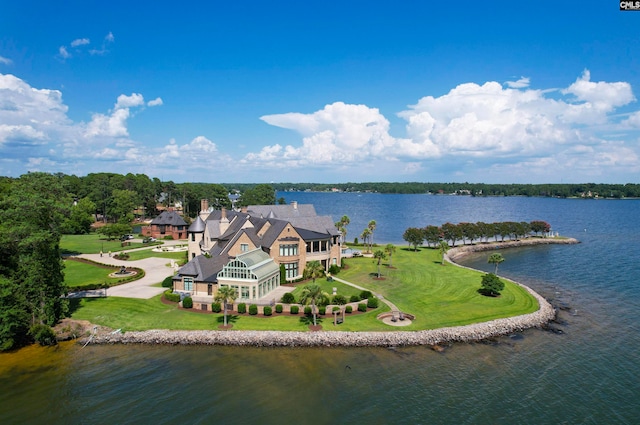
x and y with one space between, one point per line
79 42
155 102
114 125
5 61
201 155
125 101
337 133
519 84
63 53
36 133
472 125
108 39
633 120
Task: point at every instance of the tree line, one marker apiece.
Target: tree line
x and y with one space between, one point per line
471 232
555 190
117 198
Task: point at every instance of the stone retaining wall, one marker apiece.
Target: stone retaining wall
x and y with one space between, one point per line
468 333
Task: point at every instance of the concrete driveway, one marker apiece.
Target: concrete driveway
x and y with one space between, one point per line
156 270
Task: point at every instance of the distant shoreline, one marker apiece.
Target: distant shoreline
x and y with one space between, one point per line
433 337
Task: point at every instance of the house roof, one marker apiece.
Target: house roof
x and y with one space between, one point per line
204 269
283 212
171 218
197 226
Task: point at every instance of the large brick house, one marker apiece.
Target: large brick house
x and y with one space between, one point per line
226 245
168 223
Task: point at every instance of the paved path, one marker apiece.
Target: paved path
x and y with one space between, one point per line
391 305
156 270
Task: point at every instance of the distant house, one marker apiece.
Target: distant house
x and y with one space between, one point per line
168 223
245 249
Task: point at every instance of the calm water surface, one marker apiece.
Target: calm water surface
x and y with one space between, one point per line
588 374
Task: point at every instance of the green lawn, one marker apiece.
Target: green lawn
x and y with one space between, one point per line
77 273
327 287
147 253
92 244
437 295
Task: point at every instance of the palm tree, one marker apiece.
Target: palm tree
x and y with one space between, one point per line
390 249
372 227
313 294
379 255
225 294
495 258
366 235
444 247
344 222
314 270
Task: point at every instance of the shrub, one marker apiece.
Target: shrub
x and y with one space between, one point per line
242 308
339 299
364 295
43 334
267 310
335 308
295 309
168 238
216 307
167 282
491 285
354 299
372 302
187 302
348 309
362 307
278 308
170 296
253 309
322 310
307 310
288 298
334 269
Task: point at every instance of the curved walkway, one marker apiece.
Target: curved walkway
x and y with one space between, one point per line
392 306
156 269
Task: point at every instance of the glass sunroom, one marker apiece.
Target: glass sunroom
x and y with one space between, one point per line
252 274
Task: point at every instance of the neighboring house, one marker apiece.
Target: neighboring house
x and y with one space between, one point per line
168 223
221 241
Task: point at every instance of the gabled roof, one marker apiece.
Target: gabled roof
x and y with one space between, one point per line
204 269
170 218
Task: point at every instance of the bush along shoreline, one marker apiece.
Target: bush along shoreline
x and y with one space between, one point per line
434 337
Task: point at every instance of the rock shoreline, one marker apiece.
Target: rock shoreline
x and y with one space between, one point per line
434 337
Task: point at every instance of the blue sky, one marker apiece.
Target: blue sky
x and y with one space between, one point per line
248 91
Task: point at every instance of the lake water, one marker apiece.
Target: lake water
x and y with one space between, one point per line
588 374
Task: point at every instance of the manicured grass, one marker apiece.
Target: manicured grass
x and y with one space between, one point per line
148 253
327 287
77 273
92 244
439 296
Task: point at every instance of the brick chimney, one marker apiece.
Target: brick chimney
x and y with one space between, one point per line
224 221
204 209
